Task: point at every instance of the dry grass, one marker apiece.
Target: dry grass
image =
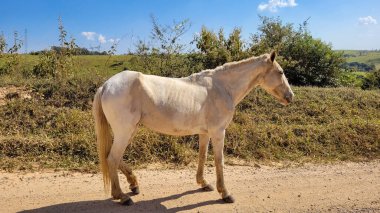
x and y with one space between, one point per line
55 129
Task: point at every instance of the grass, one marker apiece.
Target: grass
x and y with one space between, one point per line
367 57
55 129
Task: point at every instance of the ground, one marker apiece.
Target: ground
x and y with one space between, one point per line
344 187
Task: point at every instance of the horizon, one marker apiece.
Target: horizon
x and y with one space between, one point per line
346 25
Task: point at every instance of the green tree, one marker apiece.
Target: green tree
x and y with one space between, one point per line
11 57
272 35
213 46
164 54
235 45
57 62
3 44
218 50
372 81
306 60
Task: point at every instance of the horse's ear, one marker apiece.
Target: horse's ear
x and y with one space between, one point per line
272 56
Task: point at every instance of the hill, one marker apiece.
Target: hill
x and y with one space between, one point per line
363 56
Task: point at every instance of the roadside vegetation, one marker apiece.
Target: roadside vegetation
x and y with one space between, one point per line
335 115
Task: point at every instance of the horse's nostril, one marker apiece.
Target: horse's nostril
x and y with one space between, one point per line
289 97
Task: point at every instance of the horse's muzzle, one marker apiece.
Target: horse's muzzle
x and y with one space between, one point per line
289 97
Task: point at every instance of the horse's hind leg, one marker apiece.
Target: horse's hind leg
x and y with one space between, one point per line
123 132
131 177
203 147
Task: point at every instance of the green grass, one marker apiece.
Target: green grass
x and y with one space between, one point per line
55 128
367 57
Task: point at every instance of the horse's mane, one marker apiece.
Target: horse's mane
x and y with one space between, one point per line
223 68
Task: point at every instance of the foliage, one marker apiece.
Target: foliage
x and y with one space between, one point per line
11 58
163 55
357 66
372 81
306 61
217 50
272 35
368 57
57 63
311 62
77 51
352 79
322 124
3 45
54 128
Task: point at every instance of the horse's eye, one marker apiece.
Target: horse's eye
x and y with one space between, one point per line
281 72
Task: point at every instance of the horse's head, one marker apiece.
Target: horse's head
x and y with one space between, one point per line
273 80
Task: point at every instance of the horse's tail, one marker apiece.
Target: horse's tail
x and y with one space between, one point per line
104 138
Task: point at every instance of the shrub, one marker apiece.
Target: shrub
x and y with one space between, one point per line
218 50
372 81
58 62
306 60
11 58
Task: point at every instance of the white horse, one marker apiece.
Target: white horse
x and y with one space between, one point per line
202 103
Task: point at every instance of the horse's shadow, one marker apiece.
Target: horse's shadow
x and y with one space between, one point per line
154 205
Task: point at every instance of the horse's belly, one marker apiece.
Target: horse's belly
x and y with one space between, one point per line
172 106
175 125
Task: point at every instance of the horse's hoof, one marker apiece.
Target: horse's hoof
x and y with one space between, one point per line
229 199
126 200
208 188
135 190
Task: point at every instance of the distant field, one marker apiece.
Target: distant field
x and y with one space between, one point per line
367 57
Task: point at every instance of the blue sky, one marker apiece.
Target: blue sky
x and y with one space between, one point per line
346 24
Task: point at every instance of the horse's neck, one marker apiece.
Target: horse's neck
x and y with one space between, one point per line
239 80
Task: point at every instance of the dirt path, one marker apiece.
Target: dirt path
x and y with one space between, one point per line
353 187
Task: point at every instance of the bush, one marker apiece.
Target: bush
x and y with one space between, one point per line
10 57
217 50
322 123
372 81
58 62
306 61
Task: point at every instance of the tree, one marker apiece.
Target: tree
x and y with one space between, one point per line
11 56
306 60
372 81
217 50
272 35
213 47
235 45
59 61
164 54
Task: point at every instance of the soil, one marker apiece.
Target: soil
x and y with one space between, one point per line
344 187
12 92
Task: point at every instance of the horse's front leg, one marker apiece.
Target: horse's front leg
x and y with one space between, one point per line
203 148
218 143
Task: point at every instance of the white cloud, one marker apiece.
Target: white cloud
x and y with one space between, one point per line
102 39
368 20
89 35
113 40
273 5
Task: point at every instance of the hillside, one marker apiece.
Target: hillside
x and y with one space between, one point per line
363 56
48 124
323 124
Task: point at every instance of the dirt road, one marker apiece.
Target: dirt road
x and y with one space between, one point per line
348 187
